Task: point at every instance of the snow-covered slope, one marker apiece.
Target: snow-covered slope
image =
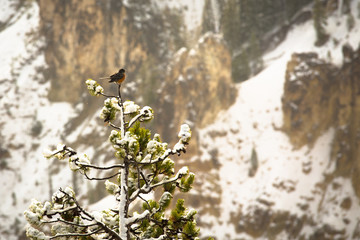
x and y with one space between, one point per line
284 179
278 179
29 122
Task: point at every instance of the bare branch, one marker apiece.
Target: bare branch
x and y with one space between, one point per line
54 212
114 126
108 96
100 178
77 162
71 223
99 223
144 200
76 234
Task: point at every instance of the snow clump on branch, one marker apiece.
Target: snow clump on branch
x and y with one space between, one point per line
94 88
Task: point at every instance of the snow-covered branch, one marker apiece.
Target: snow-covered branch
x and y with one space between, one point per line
90 216
137 217
68 235
147 188
178 148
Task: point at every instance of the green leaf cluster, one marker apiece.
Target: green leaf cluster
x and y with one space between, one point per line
180 224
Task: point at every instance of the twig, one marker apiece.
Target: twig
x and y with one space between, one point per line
99 223
70 223
144 200
100 178
108 96
60 211
77 162
114 126
75 234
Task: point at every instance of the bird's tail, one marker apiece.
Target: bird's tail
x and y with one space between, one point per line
103 78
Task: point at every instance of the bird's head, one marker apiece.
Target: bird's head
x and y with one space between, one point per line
122 70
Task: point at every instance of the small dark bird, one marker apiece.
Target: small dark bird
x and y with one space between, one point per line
118 77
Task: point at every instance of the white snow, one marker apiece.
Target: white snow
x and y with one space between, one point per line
252 121
285 177
185 133
183 171
25 93
216 13
192 10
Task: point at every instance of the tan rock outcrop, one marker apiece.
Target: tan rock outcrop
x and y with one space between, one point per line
197 85
317 96
87 38
309 98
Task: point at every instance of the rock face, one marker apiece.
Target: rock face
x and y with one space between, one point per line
318 96
90 39
309 98
200 78
346 147
85 38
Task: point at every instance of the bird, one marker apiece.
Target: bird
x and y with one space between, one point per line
118 77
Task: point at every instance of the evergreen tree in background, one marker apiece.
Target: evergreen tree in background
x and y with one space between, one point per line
208 18
244 24
240 69
319 23
230 22
255 54
142 165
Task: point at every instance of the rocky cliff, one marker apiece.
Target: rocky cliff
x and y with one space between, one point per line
197 86
91 39
318 96
265 168
309 98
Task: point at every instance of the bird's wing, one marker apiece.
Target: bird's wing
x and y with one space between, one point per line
114 75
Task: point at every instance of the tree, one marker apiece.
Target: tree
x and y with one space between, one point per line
208 19
240 69
319 23
143 165
255 54
231 23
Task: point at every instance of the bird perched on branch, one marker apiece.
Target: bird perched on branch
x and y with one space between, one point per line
118 77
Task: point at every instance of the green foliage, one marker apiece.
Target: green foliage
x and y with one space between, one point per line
185 183
111 107
143 164
178 212
143 135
